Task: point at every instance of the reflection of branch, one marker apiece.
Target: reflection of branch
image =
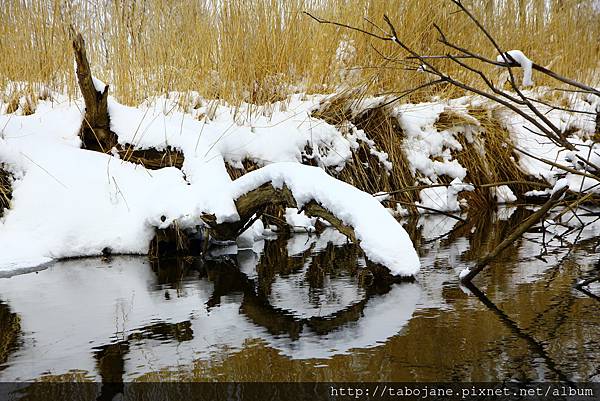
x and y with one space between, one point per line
428 209
257 307
580 286
522 228
514 327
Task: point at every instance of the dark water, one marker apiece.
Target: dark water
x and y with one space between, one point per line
303 309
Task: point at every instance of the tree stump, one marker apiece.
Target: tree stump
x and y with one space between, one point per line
95 130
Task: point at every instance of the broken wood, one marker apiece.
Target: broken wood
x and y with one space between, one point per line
249 206
95 130
151 158
520 230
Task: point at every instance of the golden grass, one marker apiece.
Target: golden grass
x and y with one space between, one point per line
261 50
488 159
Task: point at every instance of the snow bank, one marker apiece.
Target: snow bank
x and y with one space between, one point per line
72 202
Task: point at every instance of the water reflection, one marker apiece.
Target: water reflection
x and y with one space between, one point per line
305 308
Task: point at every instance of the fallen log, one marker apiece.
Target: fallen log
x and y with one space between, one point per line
354 213
251 205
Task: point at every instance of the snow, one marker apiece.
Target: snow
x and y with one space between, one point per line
71 202
560 184
98 85
444 198
299 221
519 57
503 194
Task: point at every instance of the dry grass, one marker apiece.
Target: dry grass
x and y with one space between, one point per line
11 329
364 170
488 159
5 190
261 50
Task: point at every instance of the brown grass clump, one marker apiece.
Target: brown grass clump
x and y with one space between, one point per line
5 190
489 158
383 128
11 328
364 170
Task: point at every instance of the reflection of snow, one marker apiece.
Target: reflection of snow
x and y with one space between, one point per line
73 307
383 317
294 294
300 242
435 225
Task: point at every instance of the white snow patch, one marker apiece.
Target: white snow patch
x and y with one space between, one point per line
504 194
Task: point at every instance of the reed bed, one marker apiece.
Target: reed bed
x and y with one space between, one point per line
262 50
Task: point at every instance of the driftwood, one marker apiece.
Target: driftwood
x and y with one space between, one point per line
95 132
520 230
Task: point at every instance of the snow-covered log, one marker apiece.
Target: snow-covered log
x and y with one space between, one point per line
353 212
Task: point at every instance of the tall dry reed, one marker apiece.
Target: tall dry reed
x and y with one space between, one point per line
261 50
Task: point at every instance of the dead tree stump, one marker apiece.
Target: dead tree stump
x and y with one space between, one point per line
95 130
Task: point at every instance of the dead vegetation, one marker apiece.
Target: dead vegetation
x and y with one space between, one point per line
9 335
493 156
364 170
282 50
489 158
5 190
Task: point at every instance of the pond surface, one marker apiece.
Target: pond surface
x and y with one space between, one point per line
303 309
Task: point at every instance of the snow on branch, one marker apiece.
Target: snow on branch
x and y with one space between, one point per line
518 57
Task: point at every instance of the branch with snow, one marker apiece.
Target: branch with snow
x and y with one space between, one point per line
519 58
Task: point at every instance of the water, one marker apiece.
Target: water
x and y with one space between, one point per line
303 309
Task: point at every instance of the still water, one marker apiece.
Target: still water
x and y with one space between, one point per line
303 309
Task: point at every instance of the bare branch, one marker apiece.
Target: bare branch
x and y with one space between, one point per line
353 28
